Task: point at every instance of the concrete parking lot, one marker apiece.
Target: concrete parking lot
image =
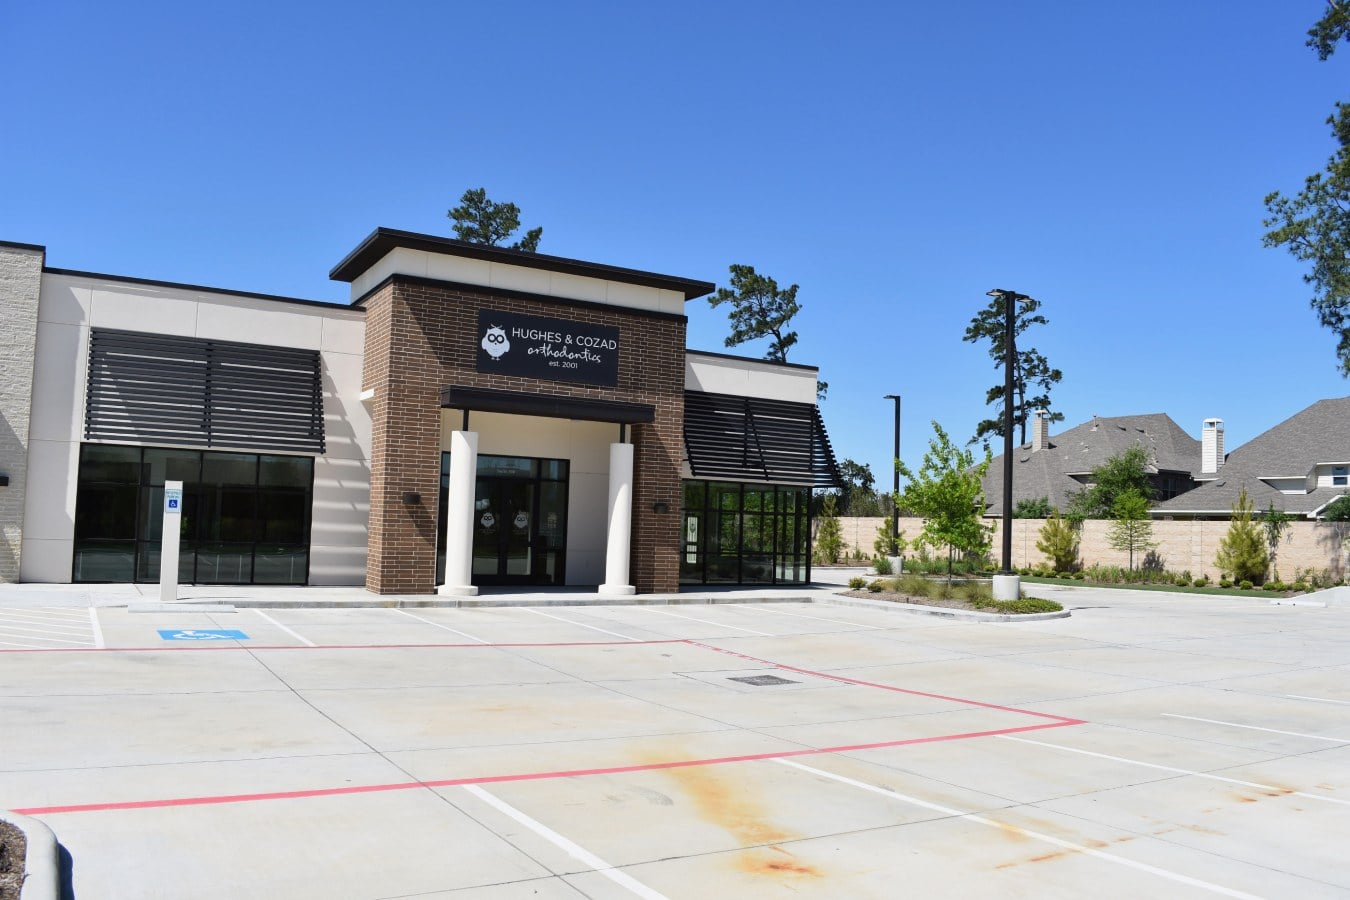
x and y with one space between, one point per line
1151 744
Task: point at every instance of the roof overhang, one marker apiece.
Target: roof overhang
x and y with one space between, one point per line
520 403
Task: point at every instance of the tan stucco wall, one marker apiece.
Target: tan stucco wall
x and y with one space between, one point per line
1182 545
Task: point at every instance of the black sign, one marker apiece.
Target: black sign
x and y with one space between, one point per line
556 349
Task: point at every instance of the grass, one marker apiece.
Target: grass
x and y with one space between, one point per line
976 595
1171 588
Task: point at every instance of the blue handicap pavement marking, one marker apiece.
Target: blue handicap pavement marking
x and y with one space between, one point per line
210 634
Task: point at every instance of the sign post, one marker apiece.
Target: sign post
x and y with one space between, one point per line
168 553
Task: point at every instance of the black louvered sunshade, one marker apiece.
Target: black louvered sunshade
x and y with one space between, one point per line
750 438
153 388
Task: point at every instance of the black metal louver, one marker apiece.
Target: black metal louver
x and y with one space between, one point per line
751 438
153 388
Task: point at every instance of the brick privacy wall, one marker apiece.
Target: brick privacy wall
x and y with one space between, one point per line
421 337
20 286
1183 545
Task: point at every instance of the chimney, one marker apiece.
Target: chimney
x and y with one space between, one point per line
1040 431
1211 446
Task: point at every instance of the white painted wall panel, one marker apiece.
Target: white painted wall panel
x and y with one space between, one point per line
65 299
750 378
250 321
142 308
58 387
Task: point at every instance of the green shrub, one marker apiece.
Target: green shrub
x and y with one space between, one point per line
876 586
1245 584
1225 582
857 583
1019 607
1242 551
1202 581
1059 542
1079 576
1301 587
882 565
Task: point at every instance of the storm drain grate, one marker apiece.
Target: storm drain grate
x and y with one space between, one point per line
764 680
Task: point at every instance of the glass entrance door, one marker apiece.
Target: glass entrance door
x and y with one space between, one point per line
519 520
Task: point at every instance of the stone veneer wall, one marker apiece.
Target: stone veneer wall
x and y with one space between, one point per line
20 286
1183 545
422 336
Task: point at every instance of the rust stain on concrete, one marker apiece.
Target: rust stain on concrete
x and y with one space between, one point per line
724 801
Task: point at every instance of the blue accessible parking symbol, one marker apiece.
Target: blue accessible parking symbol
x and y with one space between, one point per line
210 634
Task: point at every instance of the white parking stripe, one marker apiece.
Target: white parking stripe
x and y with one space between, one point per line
573 850
579 624
34 615
1316 737
50 629
439 625
782 612
1316 699
1135 762
306 641
707 622
96 627
1002 826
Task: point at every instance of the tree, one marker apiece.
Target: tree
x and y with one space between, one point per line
1314 225
858 496
947 493
1123 473
759 309
480 221
829 539
882 545
1033 508
1275 522
1059 542
1337 510
1131 531
1031 370
1242 551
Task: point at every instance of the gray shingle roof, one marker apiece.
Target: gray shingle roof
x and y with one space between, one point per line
1048 472
1316 436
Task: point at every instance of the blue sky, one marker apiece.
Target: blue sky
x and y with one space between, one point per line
896 160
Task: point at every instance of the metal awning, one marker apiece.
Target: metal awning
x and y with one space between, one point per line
736 438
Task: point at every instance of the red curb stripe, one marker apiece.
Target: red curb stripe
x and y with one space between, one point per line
522 776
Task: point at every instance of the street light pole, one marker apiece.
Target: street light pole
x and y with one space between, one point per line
895 471
1007 585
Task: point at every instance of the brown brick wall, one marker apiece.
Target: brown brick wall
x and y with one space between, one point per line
422 336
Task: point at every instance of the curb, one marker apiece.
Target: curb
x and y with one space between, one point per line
943 612
42 879
455 603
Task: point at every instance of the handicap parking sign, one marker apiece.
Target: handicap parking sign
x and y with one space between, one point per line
209 634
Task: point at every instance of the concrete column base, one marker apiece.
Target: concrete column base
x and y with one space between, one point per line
897 564
1007 587
616 590
458 590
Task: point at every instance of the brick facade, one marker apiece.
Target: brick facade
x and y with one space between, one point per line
422 336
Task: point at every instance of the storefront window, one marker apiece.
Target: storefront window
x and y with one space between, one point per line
245 519
744 534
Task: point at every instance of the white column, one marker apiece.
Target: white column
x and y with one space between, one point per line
169 541
459 514
618 546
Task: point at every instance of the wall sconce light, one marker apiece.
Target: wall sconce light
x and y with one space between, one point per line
412 498
660 506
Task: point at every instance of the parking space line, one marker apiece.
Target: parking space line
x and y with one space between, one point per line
713 624
439 625
304 640
1316 737
1268 788
1003 826
580 624
96 627
781 612
577 852
25 615
48 630
1316 699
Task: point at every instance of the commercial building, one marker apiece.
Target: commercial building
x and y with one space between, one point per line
475 416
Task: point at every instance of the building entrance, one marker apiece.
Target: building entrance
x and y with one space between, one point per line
519 520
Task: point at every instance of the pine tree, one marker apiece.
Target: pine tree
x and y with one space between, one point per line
1242 552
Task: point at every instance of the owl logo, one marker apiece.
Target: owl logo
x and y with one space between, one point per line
495 342
487 521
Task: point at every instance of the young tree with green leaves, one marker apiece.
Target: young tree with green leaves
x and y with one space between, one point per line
947 493
1131 530
829 538
1276 524
1123 473
1314 225
480 221
1242 551
882 545
1031 370
1059 541
1337 510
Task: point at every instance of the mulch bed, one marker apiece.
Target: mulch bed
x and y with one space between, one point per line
13 850
893 597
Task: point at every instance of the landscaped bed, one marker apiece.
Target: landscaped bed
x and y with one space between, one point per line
13 848
972 596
